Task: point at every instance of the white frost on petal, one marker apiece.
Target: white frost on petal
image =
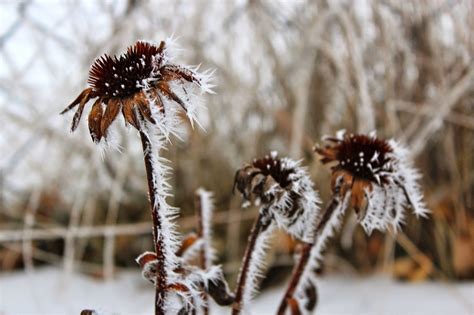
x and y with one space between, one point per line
388 201
340 134
190 93
301 189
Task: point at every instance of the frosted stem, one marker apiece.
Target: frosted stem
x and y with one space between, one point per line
260 225
161 275
202 252
305 256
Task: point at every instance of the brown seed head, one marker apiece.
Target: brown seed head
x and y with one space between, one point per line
362 156
258 177
123 76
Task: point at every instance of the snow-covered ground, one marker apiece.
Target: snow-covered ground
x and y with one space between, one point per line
49 291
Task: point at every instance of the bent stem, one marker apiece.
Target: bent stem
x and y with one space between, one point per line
161 274
305 256
260 225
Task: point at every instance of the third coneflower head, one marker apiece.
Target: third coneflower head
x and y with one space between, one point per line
138 83
285 186
377 174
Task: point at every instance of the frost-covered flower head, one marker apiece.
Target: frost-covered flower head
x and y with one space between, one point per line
286 187
141 83
378 175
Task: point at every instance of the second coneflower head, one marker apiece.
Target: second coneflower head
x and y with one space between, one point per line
139 83
287 190
377 174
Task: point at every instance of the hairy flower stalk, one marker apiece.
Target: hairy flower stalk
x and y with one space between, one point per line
146 87
301 293
374 177
204 209
288 201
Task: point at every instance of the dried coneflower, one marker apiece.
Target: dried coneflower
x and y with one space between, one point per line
379 176
150 91
284 186
138 83
373 176
287 199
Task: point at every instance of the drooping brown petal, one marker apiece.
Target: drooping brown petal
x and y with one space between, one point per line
80 109
358 199
128 112
95 119
85 95
142 104
111 111
187 242
156 99
345 184
243 178
328 154
173 72
166 90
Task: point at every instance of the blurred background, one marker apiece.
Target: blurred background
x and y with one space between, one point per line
287 73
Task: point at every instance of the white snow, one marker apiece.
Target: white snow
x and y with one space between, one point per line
50 291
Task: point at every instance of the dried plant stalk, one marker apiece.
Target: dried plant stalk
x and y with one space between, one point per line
203 212
305 257
289 201
262 223
161 274
373 176
145 87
